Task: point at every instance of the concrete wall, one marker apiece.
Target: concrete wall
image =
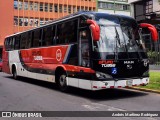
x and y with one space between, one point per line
131 1
6 19
123 13
120 12
156 5
115 12
106 11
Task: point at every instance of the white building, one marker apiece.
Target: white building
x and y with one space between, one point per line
114 6
145 9
148 11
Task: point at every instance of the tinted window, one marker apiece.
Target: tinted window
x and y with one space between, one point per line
73 56
29 41
37 38
17 41
67 32
7 44
11 43
82 23
60 34
23 41
73 31
48 35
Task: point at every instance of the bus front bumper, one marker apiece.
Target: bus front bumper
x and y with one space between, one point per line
98 85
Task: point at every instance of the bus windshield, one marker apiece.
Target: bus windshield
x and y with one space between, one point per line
111 39
120 37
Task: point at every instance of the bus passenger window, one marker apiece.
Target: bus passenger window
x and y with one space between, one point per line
47 36
67 32
23 41
6 44
72 31
13 42
17 41
37 38
29 42
10 43
54 40
16 46
61 34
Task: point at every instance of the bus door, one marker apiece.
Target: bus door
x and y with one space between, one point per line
84 56
84 49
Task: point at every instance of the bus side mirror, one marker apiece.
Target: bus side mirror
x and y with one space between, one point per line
94 29
152 29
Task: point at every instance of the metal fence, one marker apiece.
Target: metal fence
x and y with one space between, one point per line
153 49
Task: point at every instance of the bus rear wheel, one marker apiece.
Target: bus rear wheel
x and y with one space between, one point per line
62 82
14 73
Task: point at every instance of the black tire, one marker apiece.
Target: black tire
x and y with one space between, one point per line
14 73
62 82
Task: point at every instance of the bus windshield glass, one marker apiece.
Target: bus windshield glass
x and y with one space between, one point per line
119 37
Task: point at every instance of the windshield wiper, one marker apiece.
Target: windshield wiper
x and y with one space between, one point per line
117 40
117 37
140 56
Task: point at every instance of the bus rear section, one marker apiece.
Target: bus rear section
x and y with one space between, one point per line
5 58
100 51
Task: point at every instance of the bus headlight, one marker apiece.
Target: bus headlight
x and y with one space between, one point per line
101 75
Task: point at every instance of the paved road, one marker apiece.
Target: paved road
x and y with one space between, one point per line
32 95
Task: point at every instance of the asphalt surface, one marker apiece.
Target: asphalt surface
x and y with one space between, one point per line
33 95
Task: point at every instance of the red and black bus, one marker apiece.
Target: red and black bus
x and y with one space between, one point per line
88 50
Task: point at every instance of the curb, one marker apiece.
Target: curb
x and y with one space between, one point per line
145 90
154 70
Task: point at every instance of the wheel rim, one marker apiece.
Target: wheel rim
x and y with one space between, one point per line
62 80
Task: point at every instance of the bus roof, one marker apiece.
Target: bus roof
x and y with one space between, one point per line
85 14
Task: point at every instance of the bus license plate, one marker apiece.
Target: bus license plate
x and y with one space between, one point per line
129 82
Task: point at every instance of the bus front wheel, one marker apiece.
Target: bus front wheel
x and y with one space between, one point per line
62 82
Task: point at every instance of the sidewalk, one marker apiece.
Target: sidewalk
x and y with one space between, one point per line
154 70
145 89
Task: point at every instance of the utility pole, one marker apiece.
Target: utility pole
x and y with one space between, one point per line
114 7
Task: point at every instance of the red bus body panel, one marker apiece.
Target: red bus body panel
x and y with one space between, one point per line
5 65
49 60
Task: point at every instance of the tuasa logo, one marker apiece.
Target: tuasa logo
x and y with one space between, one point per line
58 55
